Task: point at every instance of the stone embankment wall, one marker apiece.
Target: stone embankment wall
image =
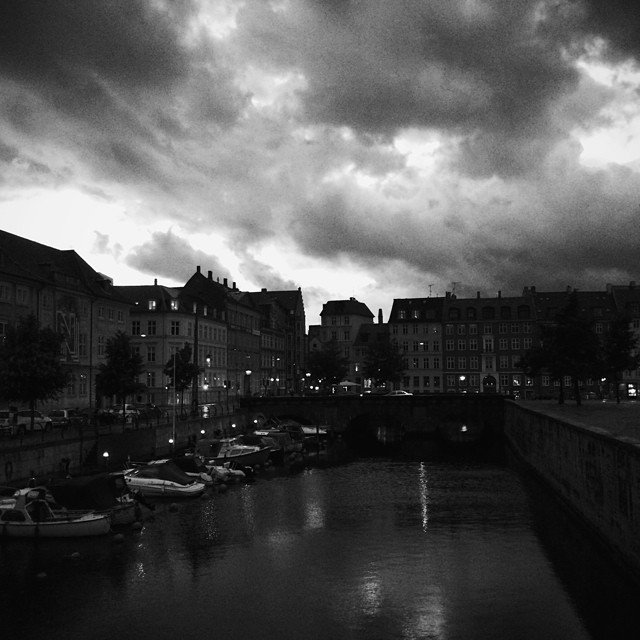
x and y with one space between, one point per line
81 450
596 474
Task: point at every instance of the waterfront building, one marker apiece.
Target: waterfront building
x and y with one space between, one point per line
63 292
416 327
340 322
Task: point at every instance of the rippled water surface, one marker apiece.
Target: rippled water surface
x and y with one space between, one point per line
372 549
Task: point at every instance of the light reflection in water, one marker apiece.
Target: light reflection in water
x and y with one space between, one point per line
424 495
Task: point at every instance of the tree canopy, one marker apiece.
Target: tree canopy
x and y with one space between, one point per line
383 362
570 347
119 372
619 351
181 370
327 365
31 369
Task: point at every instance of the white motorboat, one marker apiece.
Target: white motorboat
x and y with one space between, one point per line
29 514
217 452
163 480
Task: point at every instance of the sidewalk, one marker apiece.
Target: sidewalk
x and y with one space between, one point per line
621 420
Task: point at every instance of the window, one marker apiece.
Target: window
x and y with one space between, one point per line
416 382
503 344
503 327
151 328
462 329
473 362
425 363
487 344
120 315
462 363
451 362
503 362
151 353
473 344
515 344
5 292
135 327
175 327
450 345
436 382
436 363
415 314
462 345
101 345
415 363
426 381
22 295
152 305
473 329
82 345
515 327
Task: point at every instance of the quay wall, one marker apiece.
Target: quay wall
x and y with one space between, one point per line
595 474
79 450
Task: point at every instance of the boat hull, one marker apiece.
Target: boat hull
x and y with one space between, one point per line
84 526
249 459
167 490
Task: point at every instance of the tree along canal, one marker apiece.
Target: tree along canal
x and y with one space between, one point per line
426 544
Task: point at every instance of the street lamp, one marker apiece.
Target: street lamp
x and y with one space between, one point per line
173 430
247 374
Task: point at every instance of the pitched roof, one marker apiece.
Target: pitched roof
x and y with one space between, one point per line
23 258
349 307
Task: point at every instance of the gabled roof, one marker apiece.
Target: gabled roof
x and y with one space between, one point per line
349 307
427 309
29 260
138 295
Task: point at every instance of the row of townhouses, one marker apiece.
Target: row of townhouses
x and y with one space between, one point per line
244 342
472 345
255 342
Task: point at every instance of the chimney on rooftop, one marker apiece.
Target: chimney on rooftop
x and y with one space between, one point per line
224 282
210 275
379 316
198 269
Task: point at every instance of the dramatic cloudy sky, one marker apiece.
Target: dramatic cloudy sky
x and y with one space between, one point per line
378 149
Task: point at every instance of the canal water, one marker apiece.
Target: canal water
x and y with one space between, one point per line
427 544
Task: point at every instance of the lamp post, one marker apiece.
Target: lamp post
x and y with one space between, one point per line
247 374
173 430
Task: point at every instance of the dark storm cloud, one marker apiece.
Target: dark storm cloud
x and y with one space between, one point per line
63 42
618 22
118 80
169 256
484 70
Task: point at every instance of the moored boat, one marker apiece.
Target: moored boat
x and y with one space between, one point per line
104 492
163 480
217 452
29 514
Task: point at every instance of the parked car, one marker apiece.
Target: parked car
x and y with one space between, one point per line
67 417
399 392
7 422
40 421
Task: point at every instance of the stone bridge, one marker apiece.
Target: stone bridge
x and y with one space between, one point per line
452 417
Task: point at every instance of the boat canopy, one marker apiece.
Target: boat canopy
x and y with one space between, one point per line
168 471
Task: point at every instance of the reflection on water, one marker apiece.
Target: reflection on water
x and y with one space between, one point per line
419 547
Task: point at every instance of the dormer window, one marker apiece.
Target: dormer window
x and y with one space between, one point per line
152 305
174 305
